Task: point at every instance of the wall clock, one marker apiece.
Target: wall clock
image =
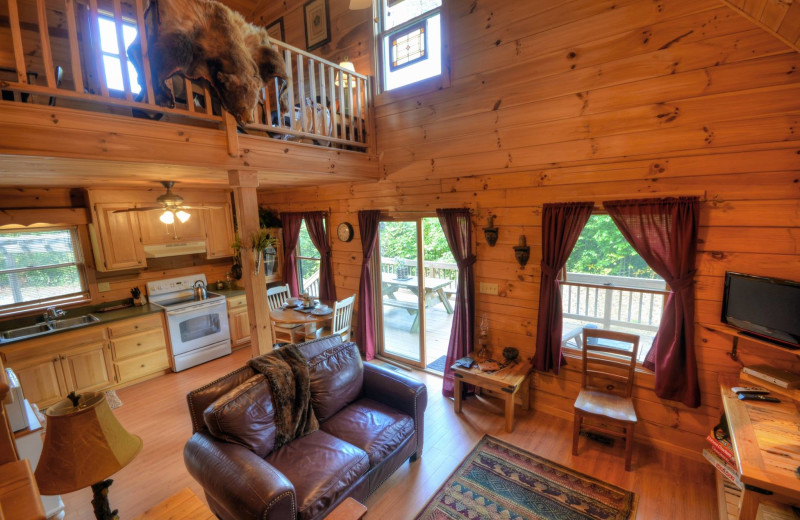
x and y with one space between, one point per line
345 232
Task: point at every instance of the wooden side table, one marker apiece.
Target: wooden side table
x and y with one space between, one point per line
183 505
506 382
349 509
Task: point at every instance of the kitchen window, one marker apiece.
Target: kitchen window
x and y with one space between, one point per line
39 267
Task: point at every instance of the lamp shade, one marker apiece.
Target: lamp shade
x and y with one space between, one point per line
360 4
83 445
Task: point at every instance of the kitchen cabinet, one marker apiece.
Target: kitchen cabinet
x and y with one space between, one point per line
156 232
238 322
219 231
116 238
138 347
52 366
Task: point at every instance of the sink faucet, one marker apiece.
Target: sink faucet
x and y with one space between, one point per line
52 313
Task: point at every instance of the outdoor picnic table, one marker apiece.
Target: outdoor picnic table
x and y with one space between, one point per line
434 293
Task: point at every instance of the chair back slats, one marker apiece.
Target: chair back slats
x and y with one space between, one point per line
609 361
277 296
342 317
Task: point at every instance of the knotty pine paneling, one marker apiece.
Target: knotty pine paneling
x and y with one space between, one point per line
587 100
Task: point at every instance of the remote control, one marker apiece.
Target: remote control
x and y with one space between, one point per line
750 389
758 397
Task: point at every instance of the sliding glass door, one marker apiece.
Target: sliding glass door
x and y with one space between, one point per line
416 291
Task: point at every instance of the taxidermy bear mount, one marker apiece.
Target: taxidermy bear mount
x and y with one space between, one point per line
205 39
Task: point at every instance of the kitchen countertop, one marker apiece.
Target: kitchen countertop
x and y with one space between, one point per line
228 293
104 319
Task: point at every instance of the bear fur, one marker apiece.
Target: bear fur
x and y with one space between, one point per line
205 39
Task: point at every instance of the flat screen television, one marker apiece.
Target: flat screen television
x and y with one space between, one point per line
767 308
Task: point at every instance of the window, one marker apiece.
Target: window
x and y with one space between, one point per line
411 41
112 65
308 263
40 266
608 285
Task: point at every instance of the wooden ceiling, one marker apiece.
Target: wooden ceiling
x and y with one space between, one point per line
778 17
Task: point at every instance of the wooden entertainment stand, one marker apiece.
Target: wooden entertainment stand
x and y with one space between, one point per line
766 442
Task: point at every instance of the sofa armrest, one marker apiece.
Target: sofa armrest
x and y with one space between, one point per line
400 392
239 480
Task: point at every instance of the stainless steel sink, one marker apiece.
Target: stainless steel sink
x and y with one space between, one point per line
49 326
77 321
24 332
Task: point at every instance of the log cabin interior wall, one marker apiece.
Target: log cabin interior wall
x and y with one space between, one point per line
560 100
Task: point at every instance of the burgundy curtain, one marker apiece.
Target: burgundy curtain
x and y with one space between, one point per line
291 233
561 226
315 223
456 226
368 222
664 233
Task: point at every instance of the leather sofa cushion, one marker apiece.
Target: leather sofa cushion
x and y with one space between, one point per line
322 469
245 416
374 427
337 376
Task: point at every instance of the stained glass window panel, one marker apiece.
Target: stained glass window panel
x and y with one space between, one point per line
409 46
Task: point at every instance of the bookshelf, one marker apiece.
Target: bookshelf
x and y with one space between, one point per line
737 334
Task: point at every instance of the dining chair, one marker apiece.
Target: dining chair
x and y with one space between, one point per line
276 297
609 365
341 319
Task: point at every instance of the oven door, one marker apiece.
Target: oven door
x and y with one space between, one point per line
198 326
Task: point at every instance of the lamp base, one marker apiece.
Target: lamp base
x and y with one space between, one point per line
102 509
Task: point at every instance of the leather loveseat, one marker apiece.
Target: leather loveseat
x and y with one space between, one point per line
371 421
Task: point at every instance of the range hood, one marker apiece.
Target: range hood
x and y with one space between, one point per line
174 249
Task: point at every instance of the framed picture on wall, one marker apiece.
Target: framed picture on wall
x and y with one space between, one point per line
318 25
275 30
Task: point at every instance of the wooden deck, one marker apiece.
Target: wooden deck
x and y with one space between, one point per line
402 341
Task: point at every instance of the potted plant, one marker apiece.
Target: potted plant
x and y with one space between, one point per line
261 242
236 269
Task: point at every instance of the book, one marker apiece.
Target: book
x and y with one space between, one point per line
723 468
722 445
730 461
776 376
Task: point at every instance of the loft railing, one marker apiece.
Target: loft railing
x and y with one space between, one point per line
51 52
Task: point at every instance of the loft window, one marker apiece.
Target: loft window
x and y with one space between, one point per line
411 41
40 266
606 284
112 64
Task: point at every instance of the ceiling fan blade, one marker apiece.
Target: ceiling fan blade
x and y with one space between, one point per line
199 207
138 209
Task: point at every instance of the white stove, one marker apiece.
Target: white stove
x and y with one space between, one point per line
198 329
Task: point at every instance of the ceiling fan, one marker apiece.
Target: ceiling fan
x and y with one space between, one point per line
171 205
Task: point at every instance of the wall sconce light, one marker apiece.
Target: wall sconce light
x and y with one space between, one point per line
490 232
522 251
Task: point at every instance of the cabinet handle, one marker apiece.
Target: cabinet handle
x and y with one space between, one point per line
63 357
55 359
135 326
143 365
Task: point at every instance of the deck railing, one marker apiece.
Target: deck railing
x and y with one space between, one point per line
51 53
439 270
614 301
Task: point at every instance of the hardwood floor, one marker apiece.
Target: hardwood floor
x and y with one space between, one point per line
668 487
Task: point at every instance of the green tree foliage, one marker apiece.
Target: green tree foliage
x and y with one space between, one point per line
399 240
601 249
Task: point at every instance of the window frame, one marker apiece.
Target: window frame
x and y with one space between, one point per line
439 81
125 21
298 257
84 295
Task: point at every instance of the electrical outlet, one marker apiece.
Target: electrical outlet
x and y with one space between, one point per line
488 288
103 287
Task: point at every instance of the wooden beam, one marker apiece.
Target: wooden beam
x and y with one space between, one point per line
245 197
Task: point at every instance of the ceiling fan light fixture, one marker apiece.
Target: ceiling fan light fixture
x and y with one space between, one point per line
183 216
167 217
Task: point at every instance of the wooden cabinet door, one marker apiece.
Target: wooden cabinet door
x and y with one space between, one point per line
120 240
219 231
88 367
41 378
194 228
239 325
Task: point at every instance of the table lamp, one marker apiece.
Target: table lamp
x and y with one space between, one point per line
83 445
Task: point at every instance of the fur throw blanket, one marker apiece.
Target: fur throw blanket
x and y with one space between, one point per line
286 370
205 39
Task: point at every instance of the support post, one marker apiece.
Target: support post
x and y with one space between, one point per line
244 184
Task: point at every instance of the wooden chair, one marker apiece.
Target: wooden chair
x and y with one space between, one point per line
276 297
609 364
341 319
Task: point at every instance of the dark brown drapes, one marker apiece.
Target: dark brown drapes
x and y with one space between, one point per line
561 226
315 223
664 233
291 233
368 222
456 226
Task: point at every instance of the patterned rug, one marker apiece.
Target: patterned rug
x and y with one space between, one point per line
499 481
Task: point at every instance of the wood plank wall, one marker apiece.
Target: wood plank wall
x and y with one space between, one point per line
560 100
780 17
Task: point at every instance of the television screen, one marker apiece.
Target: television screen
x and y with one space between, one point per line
766 307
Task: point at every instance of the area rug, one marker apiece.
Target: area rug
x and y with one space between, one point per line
499 481
438 365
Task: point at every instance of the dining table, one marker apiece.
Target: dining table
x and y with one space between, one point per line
293 315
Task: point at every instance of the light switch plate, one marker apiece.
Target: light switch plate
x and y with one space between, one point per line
488 288
103 287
